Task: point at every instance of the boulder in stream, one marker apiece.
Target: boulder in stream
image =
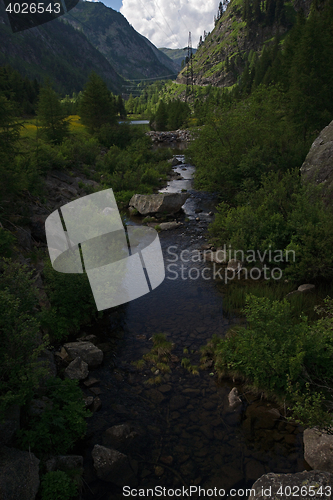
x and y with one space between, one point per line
318 446
114 467
19 474
77 369
87 351
306 484
168 203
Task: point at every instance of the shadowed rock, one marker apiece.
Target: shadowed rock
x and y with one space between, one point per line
272 486
169 203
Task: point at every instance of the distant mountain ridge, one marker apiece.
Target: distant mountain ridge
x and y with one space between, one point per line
57 51
132 55
177 55
91 37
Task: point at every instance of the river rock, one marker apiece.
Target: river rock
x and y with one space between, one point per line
268 485
169 225
317 166
234 399
234 265
121 437
114 467
19 474
305 288
64 463
175 161
177 402
87 351
318 449
218 257
169 203
77 369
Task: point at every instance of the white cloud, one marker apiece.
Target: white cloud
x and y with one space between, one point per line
166 23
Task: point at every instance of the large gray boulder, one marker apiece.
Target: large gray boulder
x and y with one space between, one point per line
87 351
114 467
318 449
169 203
124 437
304 485
19 474
318 165
77 369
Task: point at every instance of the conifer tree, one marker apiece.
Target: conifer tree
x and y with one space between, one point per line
51 116
96 106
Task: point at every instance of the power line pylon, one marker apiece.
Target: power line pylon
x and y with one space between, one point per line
189 70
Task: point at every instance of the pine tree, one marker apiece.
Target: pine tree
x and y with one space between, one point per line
97 106
161 116
51 116
120 107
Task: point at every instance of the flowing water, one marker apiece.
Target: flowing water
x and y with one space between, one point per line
186 433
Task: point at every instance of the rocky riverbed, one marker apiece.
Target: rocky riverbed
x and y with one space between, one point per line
183 430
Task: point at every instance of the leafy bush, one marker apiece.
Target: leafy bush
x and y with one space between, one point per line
7 239
20 338
57 485
245 139
136 168
62 422
279 354
71 299
281 216
80 151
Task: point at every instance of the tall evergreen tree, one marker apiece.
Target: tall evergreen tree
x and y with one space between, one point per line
96 106
51 116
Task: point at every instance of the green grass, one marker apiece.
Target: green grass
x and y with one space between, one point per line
29 129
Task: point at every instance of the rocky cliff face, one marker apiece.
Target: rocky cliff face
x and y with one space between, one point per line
225 51
318 165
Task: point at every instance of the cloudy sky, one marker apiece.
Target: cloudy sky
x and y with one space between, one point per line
166 23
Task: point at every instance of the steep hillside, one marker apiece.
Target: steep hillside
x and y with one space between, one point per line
56 51
177 55
237 38
131 54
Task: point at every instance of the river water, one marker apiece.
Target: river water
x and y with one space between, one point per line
186 433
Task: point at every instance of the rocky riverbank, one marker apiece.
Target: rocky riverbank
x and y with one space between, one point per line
173 136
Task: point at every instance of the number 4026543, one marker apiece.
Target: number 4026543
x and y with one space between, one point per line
33 8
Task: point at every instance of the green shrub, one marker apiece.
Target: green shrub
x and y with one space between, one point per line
281 216
57 485
61 424
275 347
7 240
72 302
20 338
80 150
280 354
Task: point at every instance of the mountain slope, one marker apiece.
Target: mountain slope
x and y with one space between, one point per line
131 54
56 51
237 38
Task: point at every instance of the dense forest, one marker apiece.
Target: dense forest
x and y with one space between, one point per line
250 142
